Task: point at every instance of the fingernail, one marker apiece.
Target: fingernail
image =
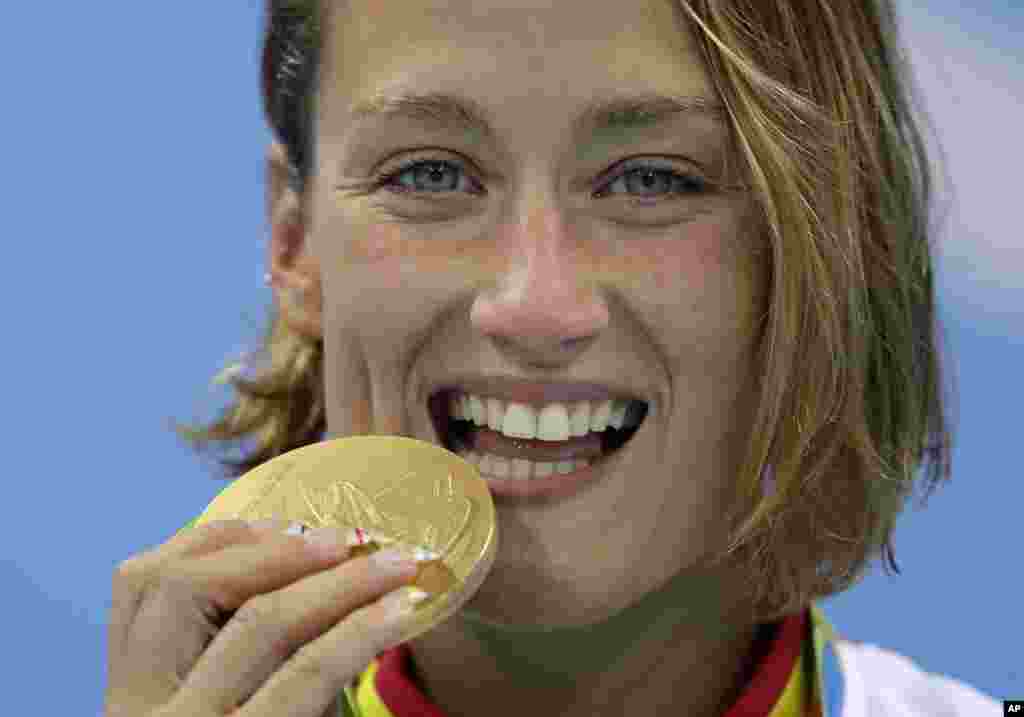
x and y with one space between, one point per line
329 542
423 554
296 529
402 601
394 560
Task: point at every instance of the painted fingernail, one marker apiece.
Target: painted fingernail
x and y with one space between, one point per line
296 529
394 560
399 603
265 524
423 554
329 542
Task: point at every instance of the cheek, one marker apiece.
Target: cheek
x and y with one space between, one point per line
385 256
690 262
696 284
687 261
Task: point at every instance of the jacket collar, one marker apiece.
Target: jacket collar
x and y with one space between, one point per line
830 683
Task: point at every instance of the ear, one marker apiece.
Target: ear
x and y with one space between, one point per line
294 270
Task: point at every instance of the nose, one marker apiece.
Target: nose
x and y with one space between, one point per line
541 306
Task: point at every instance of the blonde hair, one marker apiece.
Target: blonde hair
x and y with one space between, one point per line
822 106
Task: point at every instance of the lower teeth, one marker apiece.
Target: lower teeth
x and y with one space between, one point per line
520 468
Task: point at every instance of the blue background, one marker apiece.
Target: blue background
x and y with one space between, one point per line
134 245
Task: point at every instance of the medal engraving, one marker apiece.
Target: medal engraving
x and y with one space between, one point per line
394 488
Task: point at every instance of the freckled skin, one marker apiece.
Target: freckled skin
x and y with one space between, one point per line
417 289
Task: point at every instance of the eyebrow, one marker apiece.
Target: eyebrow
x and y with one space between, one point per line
447 111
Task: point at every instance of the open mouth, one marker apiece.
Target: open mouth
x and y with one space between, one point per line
457 435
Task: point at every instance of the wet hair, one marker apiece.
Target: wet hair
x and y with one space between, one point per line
828 124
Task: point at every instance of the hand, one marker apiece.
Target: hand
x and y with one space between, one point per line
228 618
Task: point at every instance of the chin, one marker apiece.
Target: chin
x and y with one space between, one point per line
547 605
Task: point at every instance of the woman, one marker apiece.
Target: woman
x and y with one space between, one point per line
715 212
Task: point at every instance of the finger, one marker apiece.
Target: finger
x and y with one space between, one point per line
218 534
134 575
228 578
182 604
133 580
199 540
268 629
319 671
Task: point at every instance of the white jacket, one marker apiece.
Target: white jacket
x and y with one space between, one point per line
861 680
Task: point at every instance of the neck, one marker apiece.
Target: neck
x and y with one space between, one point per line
678 647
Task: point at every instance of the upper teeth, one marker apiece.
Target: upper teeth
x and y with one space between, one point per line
549 422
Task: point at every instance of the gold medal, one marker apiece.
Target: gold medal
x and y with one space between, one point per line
391 489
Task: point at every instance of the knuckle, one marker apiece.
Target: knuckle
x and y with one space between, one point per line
265 616
134 575
366 629
320 664
227 524
159 580
235 527
313 668
130 569
125 576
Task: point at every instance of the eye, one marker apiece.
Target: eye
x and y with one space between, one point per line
424 176
651 180
648 179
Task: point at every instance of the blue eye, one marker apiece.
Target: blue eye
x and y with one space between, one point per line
648 180
424 177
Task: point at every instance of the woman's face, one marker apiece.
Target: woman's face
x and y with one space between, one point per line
533 234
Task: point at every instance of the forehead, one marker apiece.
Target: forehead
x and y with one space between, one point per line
505 53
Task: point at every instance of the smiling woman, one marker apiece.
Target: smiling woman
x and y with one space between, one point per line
631 259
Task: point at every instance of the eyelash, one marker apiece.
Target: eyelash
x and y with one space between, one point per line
386 181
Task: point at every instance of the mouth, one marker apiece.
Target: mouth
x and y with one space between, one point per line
464 436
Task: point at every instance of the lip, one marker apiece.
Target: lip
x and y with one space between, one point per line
515 390
555 486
